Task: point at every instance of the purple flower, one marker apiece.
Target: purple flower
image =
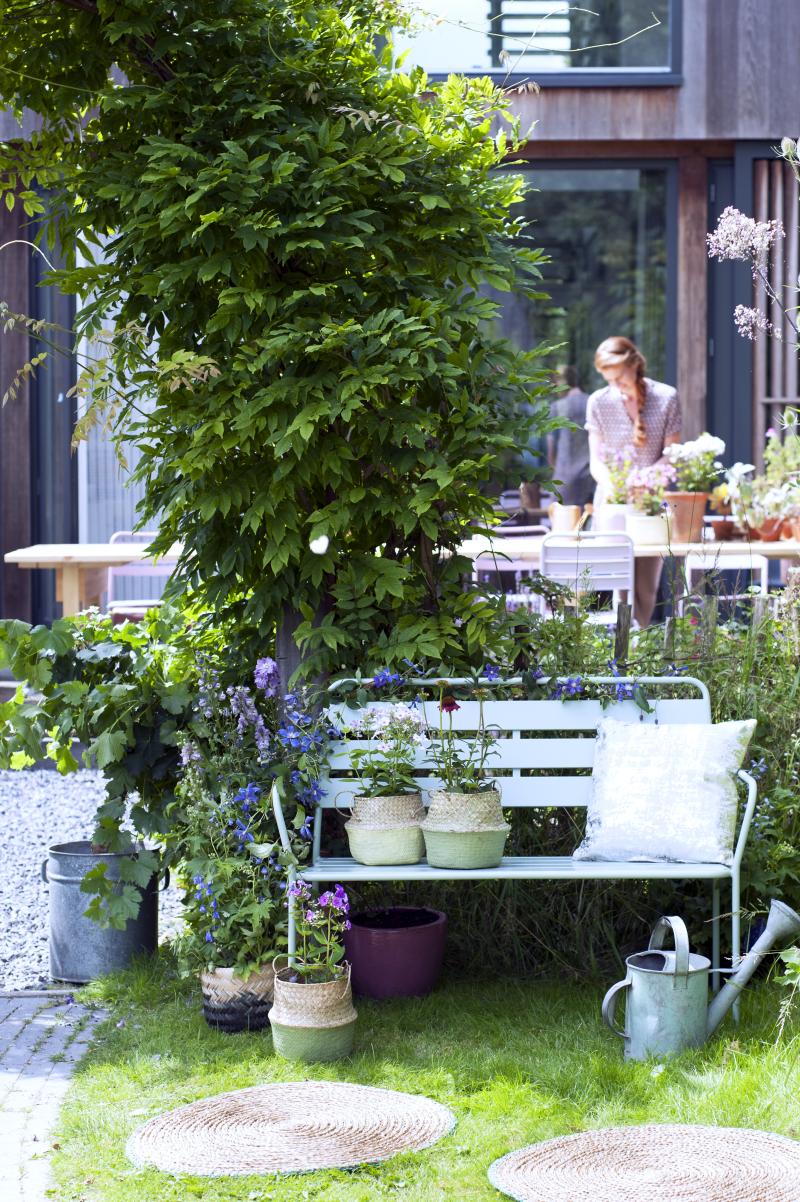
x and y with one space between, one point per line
266 676
491 671
190 754
209 937
448 704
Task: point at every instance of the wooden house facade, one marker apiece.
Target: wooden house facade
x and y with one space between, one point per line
642 130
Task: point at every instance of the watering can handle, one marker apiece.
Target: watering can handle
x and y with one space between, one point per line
610 1005
681 938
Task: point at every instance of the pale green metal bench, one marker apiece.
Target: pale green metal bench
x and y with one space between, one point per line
542 736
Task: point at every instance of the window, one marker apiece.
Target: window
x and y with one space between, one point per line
609 231
554 42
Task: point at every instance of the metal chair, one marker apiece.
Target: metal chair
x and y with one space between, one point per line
597 562
498 561
133 608
712 564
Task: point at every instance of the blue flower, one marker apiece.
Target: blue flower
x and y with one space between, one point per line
209 937
491 671
384 678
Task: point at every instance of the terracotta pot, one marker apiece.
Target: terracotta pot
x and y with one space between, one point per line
786 528
770 530
686 512
396 952
725 529
795 523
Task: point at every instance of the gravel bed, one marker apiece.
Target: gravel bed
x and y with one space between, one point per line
40 807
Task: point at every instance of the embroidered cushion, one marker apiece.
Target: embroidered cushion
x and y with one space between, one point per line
665 792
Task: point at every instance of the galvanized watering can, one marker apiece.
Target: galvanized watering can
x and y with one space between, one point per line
667 991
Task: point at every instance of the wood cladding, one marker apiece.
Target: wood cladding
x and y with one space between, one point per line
775 376
740 80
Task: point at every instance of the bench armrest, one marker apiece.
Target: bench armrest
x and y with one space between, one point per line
279 818
747 817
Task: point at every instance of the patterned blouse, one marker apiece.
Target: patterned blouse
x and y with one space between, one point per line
607 416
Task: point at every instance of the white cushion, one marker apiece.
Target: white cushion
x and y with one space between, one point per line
665 792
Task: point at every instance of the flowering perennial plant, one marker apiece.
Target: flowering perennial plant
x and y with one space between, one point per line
223 828
739 238
397 733
646 487
696 463
320 923
460 764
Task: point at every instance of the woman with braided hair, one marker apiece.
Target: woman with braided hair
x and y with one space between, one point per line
635 417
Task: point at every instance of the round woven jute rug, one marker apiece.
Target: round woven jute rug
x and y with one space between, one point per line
289 1128
654 1164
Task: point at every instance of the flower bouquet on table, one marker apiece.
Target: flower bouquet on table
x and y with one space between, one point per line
224 836
312 1016
647 515
697 470
387 811
464 827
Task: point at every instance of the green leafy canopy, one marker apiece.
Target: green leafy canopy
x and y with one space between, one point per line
296 242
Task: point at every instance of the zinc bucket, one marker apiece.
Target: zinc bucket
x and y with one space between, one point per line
80 949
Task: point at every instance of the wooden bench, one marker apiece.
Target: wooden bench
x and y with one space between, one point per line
535 737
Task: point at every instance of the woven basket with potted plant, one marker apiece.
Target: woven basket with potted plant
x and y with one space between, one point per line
464 827
387 812
312 1016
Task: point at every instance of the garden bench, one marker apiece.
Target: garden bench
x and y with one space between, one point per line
541 736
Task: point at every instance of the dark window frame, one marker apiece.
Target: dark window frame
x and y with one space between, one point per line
670 76
669 165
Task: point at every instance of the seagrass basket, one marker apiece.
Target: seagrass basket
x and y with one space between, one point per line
465 830
232 1003
386 830
312 1020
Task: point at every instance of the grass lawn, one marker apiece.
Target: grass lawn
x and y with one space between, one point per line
516 1061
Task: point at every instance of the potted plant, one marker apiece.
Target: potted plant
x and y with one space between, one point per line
647 515
612 513
227 840
464 827
697 470
312 1016
396 951
387 812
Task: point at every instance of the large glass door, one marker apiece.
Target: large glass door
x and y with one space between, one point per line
610 232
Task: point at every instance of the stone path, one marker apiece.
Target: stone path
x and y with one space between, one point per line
41 1041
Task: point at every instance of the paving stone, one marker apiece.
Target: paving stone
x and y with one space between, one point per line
33 1085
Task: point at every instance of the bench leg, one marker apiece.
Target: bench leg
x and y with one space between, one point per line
736 903
715 979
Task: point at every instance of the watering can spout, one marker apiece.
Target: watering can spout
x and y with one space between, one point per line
783 925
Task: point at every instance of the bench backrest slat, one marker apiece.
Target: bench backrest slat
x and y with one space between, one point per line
521 751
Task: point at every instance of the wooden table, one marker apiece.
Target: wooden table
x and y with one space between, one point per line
527 548
81 568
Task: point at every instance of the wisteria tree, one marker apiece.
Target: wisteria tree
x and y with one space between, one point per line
294 238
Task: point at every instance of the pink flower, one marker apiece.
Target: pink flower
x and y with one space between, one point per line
449 705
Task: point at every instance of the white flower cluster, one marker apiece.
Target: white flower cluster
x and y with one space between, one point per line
750 321
739 237
685 452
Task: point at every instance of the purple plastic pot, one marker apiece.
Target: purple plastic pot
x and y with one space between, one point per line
396 952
